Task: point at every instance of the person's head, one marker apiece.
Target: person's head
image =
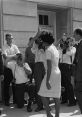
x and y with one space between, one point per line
72 41
46 38
19 59
8 38
30 43
78 34
64 36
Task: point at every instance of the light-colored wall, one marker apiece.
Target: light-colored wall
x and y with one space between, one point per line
77 18
61 23
76 3
20 19
53 2
62 3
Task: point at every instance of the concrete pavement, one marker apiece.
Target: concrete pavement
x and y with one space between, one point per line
65 111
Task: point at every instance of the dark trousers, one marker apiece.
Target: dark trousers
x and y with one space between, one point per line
13 91
8 76
39 72
19 94
68 95
32 68
78 93
30 89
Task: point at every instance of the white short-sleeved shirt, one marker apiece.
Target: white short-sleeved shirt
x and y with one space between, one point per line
66 58
9 51
18 72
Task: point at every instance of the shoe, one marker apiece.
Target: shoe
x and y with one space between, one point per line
39 109
72 104
29 109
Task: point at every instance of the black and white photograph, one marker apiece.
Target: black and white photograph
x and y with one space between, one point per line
40 58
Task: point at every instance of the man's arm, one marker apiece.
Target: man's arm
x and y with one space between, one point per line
27 69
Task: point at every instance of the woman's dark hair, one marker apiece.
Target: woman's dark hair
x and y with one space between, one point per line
78 31
46 37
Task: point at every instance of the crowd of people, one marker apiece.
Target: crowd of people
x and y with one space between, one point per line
44 72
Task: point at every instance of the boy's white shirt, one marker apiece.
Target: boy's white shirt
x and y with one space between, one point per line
19 72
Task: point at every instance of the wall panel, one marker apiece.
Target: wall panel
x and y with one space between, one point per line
16 23
77 14
77 25
19 7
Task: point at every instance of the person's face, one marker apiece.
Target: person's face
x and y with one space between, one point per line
30 43
64 37
45 45
9 41
19 62
76 36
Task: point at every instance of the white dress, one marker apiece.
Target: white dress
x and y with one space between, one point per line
55 77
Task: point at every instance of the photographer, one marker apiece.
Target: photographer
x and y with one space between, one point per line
67 53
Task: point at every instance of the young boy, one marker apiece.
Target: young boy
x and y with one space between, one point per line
20 71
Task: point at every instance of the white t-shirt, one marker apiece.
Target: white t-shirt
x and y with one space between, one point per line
66 58
9 51
19 72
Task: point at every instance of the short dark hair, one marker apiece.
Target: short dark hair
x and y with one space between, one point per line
9 35
78 31
19 56
30 38
46 37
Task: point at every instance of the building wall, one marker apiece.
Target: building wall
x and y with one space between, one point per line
75 13
77 18
61 23
20 19
51 27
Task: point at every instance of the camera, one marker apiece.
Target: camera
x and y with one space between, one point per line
64 45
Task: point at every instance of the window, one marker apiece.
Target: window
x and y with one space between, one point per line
43 19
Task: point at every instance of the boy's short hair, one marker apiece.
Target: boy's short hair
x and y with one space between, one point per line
31 38
8 35
19 56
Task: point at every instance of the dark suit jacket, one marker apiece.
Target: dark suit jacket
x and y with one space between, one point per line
78 62
1 64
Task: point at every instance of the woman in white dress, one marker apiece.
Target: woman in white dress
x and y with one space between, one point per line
51 84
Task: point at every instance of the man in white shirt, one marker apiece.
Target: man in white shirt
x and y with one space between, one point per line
9 54
66 59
